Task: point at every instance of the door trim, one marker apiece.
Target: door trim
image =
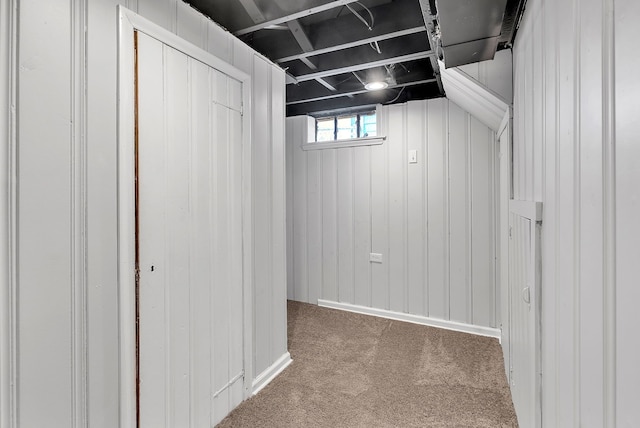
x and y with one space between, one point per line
128 22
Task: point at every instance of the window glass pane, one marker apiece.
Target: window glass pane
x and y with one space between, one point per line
347 127
368 125
325 128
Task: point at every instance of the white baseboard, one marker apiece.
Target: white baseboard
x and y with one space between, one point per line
415 319
270 373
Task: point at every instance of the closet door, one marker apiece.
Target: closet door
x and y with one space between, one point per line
189 239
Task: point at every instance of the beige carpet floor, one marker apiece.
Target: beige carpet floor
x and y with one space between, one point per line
352 370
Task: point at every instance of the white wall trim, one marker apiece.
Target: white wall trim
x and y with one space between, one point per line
415 319
128 23
264 378
8 226
466 92
339 144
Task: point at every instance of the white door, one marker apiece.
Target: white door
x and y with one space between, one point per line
524 340
189 239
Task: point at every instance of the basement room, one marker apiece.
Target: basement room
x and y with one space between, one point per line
319 213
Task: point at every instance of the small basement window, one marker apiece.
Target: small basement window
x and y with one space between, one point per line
344 130
346 127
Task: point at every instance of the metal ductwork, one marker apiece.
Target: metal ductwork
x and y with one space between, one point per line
469 30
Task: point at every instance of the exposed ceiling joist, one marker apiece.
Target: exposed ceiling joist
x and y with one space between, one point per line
305 44
253 10
365 65
363 91
354 44
301 14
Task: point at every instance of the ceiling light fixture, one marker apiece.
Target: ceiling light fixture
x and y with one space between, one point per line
376 86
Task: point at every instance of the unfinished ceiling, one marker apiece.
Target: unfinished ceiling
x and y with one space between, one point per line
331 49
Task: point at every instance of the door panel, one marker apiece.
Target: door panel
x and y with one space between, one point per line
189 239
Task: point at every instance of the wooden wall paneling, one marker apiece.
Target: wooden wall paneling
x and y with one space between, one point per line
44 174
153 297
102 225
362 225
345 225
221 44
220 297
551 234
416 180
301 291
458 216
236 294
329 225
177 278
278 207
289 147
437 208
374 200
482 231
160 12
191 25
590 173
200 249
314 224
262 213
379 218
622 168
396 258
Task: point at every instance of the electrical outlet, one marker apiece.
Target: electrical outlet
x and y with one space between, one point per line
375 257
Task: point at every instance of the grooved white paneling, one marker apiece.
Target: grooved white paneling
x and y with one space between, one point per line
74 62
575 117
432 221
8 71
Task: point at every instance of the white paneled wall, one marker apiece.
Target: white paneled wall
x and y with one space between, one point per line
66 290
432 221
577 122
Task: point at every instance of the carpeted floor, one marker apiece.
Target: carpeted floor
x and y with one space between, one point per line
352 370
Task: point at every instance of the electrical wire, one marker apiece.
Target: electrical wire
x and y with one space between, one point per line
396 98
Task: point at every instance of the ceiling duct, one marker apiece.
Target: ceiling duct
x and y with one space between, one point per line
469 29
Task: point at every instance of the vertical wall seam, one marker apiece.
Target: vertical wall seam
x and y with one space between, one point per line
425 205
78 160
576 214
370 268
447 213
387 208
609 208
337 247
269 161
305 230
352 152
190 191
469 218
405 205
8 219
556 215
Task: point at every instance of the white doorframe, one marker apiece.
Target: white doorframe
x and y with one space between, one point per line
128 23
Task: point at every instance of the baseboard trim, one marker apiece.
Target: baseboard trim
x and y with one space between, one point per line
269 374
415 319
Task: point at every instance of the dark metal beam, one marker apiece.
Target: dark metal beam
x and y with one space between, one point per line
301 14
363 91
353 44
365 66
